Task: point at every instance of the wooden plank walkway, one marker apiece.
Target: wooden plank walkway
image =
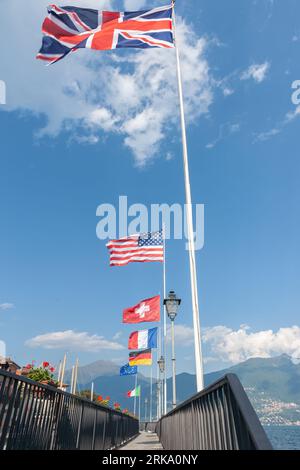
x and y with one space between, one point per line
144 441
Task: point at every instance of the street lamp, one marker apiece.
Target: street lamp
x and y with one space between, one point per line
172 304
161 365
146 403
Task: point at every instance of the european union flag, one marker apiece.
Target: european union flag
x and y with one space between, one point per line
128 370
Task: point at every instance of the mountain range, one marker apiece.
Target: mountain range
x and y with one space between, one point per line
272 384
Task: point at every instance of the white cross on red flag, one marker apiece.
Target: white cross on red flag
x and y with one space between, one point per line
147 310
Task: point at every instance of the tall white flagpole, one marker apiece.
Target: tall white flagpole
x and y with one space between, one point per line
188 197
158 379
140 404
135 387
72 378
59 371
75 377
165 322
63 368
92 392
151 390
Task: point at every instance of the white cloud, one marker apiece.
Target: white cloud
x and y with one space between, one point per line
184 335
6 306
90 94
228 345
133 5
263 136
227 91
288 119
225 130
258 72
292 115
73 341
118 335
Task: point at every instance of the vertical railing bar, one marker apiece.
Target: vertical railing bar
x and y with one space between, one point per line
227 420
222 423
13 418
7 420
36 390
217 419
94 428
212 424
232 427
47 427
202 441
79 428
18 426
28 413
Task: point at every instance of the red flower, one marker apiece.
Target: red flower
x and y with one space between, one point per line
107 398
45 364
100 398
28 366
52 369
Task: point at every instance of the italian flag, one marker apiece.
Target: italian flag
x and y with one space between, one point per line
136 392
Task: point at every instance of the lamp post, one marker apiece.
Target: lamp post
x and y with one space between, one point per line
161 365
146 409
172 304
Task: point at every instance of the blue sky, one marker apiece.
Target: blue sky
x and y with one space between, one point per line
100 125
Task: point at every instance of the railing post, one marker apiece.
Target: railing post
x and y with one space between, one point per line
79 428
219 417
36 416
94 429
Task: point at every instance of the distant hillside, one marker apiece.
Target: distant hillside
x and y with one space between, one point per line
273 386
277 376
91 371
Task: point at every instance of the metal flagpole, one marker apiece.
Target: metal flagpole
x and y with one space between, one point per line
140 404
157 385
134 403
158 374
151 389
72 378
59 372
188 197
165 323
75 376
63 368
92 392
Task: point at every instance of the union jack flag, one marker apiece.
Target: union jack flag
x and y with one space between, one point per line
69 28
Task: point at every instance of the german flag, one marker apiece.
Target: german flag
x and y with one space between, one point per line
140 358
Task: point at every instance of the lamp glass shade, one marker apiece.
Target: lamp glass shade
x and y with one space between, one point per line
161 364
172 304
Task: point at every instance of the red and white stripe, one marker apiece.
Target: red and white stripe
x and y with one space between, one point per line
127 250
138 340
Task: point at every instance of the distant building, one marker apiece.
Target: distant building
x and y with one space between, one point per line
7 364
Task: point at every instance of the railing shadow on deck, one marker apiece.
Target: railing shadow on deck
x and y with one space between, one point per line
220 417
40 417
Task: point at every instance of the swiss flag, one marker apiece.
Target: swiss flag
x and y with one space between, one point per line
147 310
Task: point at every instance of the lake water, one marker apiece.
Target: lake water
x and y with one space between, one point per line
284 437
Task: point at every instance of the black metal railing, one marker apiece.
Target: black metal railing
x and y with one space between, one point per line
220 417
35 416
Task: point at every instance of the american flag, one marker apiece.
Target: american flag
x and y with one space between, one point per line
69 28
136 248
